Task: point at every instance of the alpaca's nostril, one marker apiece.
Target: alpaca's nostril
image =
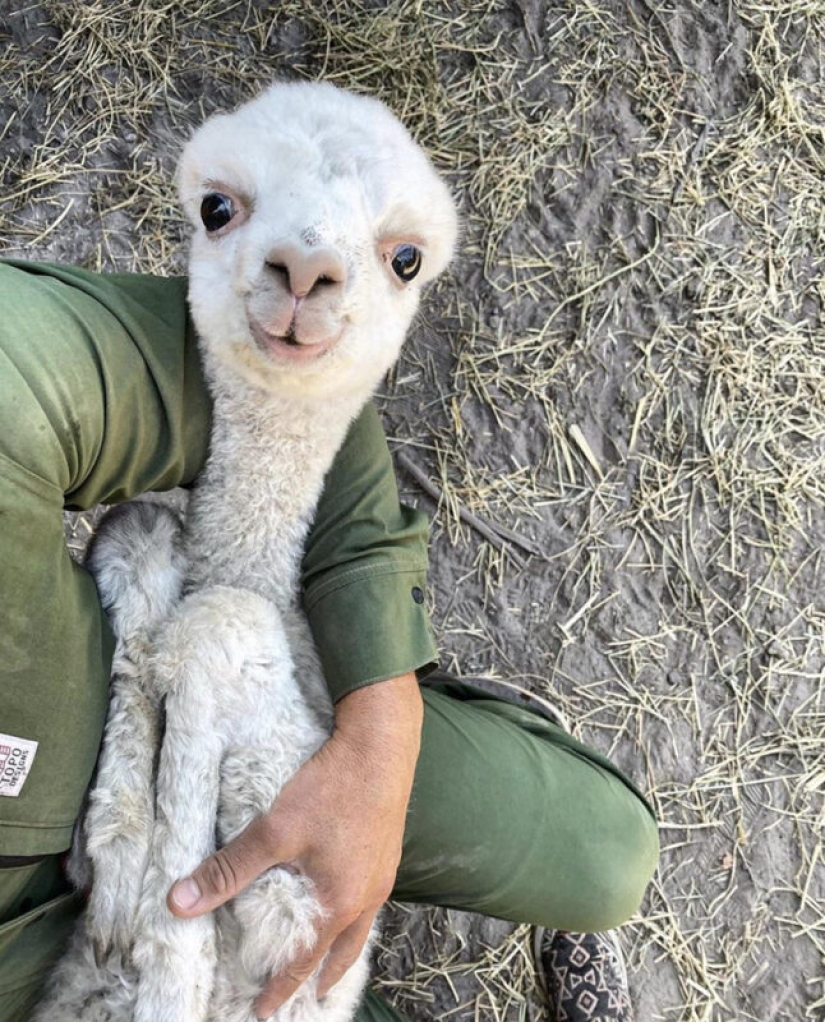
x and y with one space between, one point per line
280 269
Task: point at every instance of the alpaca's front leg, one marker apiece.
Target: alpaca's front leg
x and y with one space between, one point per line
176 957
137 564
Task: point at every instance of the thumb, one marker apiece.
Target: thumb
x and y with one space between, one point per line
228 871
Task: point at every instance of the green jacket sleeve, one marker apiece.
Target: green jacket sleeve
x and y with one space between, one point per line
365 569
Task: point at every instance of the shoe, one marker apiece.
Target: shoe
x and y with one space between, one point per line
506 692
584 976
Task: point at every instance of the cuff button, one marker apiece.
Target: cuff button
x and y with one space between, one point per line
417 595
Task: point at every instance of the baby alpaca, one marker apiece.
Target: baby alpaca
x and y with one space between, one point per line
316 222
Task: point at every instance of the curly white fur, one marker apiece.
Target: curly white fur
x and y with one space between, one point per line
217 694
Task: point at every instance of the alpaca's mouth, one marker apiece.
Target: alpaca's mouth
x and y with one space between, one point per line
288 347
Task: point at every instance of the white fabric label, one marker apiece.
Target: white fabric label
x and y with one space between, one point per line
16 758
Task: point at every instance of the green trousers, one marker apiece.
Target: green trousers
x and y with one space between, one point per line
100 398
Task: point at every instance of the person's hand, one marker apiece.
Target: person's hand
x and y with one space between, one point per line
340 821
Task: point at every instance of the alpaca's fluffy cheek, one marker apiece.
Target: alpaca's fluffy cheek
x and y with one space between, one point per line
217 310
216 291
389 320
368 354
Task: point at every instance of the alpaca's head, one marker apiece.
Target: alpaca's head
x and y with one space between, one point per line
316 222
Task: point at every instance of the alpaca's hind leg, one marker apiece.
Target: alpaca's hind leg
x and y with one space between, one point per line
262 931
137 565
265 927
198 663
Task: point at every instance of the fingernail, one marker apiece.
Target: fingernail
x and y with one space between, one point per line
186 894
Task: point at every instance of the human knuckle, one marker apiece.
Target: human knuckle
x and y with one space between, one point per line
219 875
298 972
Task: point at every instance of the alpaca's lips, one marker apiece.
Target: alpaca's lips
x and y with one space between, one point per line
287 348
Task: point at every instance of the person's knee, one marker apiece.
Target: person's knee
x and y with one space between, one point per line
617 867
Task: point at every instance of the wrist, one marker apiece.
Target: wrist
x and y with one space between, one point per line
383 719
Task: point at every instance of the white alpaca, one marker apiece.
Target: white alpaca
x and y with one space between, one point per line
317 220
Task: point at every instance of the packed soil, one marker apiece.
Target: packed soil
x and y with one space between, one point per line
612 407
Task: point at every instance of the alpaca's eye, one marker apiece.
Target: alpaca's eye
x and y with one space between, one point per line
406 262
216 211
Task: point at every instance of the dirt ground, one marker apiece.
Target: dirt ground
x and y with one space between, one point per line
625 369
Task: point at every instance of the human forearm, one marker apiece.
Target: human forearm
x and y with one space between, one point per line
383 722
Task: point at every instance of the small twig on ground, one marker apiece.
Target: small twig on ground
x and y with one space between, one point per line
494 533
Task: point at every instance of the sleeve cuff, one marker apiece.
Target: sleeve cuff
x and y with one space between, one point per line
370 625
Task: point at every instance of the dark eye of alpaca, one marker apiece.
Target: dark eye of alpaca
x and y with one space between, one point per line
406 262
216 211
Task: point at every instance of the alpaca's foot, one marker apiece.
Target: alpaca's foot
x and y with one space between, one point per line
113 902
338 1005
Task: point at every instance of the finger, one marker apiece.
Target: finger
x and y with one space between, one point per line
281 987
344 953
228 871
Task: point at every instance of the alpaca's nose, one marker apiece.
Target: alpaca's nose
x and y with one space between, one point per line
307 269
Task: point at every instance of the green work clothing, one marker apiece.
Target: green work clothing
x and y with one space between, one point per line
101 398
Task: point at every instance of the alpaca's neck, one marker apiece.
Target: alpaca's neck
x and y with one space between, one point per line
255 500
